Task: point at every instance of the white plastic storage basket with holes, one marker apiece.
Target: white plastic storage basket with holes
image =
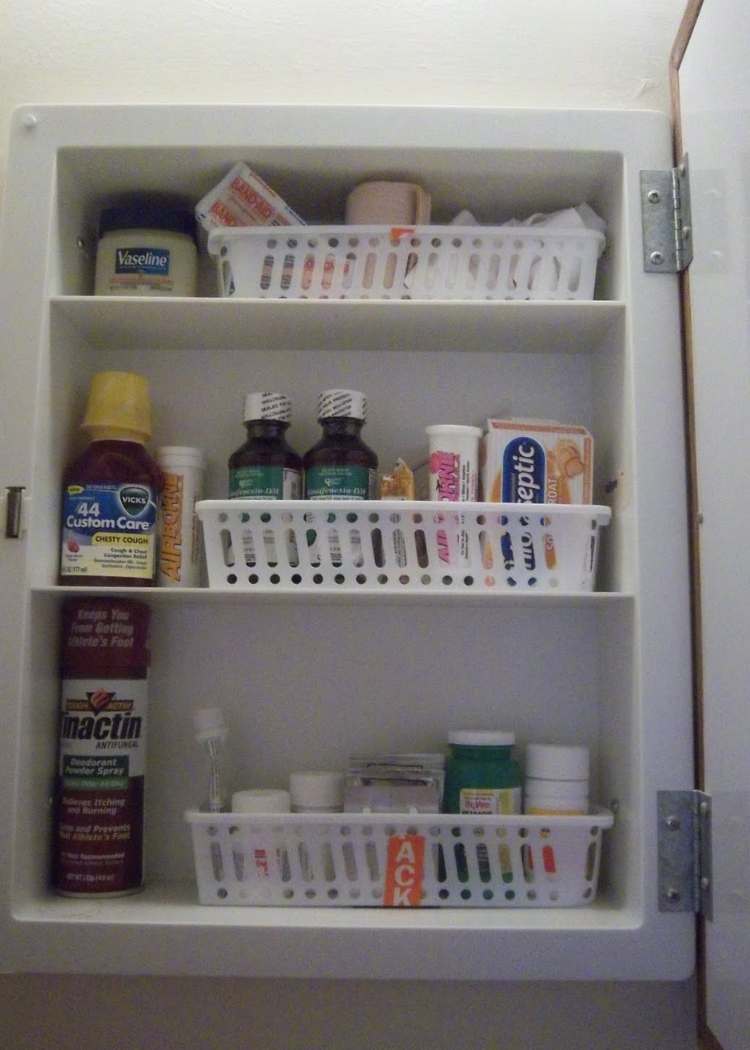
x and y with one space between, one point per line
406 262
384 860
389 546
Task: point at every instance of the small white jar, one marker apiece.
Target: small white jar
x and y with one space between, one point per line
557 780
146 249
317 792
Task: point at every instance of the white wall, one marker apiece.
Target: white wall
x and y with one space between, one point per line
543 53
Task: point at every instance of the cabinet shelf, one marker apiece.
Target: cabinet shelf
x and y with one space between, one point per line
167 596
328 941
119 323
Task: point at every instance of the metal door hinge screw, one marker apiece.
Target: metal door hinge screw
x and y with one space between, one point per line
705 806
29 121
673 895
656 258
654 196
673 823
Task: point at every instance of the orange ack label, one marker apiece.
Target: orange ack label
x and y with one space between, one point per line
404 873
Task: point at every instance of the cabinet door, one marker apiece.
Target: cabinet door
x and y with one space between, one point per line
714 89
20 388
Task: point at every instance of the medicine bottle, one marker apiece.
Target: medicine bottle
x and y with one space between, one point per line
266 467
341 466
111 492
481 775
557 780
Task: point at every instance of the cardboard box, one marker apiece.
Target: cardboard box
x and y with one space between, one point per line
242 198
536 461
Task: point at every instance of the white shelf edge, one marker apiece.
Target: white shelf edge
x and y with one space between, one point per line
168 903
511 326
197 595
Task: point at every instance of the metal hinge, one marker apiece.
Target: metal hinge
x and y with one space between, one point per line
684 839
14 511
665 213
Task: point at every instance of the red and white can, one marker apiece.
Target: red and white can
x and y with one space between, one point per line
98 835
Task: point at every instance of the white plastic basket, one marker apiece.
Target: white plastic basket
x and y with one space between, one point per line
406 262
382 860
388 546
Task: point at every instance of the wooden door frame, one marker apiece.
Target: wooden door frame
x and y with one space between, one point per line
706 1039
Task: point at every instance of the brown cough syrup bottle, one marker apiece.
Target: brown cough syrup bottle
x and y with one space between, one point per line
98 834
111 492
266 467
341 466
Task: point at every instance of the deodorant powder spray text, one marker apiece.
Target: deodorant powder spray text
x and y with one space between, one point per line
98 837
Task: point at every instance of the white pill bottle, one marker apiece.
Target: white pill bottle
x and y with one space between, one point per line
180 544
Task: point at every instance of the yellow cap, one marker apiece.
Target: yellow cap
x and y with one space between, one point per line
118 407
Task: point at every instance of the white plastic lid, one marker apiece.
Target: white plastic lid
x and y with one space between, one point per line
456 429
180 456
261 800
209 724
317 789
552 762
350 404
265 405
481 738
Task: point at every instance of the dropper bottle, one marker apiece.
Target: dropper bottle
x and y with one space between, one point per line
211 731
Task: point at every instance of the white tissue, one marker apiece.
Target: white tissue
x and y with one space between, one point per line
464 218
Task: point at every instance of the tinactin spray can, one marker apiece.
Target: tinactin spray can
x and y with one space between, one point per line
98 836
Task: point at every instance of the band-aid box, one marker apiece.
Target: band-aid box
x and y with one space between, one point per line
536 461
242 198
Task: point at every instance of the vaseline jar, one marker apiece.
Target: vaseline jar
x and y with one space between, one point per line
146 249
481 775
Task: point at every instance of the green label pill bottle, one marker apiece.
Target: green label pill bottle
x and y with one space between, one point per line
481 775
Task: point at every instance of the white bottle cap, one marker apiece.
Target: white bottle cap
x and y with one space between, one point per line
481 738
552 762
209 724
176 456
268 406
317 790
349 404
453 430
261 800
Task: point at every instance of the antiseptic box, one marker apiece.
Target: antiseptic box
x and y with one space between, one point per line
536 461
